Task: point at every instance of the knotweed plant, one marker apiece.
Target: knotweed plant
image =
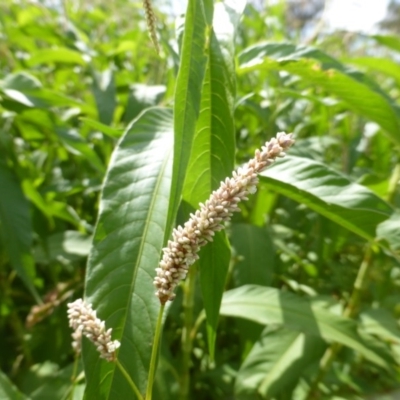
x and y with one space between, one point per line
186 241
180 253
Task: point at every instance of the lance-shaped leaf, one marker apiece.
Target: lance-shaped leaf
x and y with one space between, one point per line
266 305
329 193
212 156
360 93
126 250
276 362
187 98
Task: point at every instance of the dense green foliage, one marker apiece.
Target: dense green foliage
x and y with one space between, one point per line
106 146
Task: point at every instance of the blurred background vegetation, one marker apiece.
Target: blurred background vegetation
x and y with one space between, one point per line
72 77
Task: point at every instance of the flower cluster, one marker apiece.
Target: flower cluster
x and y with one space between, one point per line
182 251
83 319
151 22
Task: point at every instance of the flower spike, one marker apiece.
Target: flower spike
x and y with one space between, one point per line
186 241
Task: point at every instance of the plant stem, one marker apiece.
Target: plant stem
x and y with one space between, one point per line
154 354
129 380
73 377
349 312
188 302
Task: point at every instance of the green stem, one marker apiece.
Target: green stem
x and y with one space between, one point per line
349 312
188 303
129 380
154 354
73 378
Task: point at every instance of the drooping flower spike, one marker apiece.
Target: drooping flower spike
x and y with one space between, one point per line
186 241
83 320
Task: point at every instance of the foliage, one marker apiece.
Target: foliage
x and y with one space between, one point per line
107 146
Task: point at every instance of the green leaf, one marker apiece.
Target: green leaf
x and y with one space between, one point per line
8 391
50 56
126 250
214 266
329 193
213 151
389 231
112 132
20 81
25 91
141 97
361 94
77 145
64 246
187 99
16 228
383 65
392 42
105 95
266 305
255 255
276 362
381 323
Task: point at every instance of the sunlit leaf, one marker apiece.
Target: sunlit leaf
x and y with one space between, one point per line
329 193
126 250
266 305
276 362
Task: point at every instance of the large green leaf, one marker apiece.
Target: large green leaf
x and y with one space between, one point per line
359 92
212 156
266 305
276 362
187 98
126 250
329 193
16 228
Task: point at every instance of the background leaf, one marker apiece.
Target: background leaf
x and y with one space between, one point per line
358 91
16 228
8 391
272 306
255 255
276 362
